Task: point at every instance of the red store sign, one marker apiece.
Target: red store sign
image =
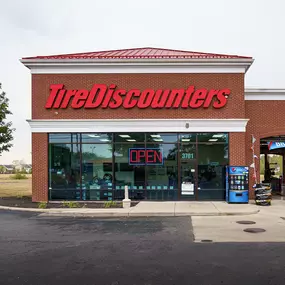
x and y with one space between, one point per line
104 96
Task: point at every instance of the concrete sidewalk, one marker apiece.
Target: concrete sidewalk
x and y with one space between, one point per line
226 229
148 209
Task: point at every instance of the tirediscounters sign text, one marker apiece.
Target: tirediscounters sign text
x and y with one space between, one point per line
112 97
145 156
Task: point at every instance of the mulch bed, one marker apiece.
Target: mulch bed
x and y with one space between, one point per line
26 202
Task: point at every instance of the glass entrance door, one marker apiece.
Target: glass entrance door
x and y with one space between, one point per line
188 179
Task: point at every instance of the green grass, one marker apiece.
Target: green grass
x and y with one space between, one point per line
109 204
70 204
42 205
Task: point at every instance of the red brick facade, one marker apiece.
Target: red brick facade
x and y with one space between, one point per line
235 107
260 124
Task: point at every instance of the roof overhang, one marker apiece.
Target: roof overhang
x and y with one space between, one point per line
263 94
48 66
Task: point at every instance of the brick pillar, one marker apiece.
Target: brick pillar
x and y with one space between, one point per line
40 167
237 149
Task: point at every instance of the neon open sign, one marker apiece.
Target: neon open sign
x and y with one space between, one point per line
145 156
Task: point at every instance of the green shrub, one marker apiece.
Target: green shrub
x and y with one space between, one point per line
109 204
42 205
19 176
70 204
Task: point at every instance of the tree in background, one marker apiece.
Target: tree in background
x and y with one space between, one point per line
6 130
2 169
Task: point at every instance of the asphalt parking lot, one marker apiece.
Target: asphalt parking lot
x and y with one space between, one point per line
49 250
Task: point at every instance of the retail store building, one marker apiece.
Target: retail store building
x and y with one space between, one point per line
148 118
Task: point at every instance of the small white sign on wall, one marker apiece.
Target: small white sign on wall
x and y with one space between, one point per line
187 188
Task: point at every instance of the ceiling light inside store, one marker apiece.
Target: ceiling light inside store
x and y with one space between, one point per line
218 136
124 136
131 140
185 140
94 136
155 136
213 140
104 140
158 140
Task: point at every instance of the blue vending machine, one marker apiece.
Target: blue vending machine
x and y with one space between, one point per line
237 184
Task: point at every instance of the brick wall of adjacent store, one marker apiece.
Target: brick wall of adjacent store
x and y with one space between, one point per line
265 120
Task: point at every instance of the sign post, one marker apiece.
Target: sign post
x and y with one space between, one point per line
126 201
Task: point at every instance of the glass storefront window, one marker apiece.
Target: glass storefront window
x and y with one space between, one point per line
213 154
97 172
155 166
187 138
161 177
129 170
64 138
129 137
64 171
96 138
161 138
212 161
212 137
187 151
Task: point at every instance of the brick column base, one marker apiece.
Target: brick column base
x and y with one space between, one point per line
40 167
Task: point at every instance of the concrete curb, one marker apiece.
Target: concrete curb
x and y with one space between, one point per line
122 213
90 215
22 209
218 214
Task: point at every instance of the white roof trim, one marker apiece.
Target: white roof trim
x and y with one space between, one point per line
264 94
119 61
135 125
40 66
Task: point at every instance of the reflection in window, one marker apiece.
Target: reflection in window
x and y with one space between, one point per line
210 177
187 151
213 154
212 137
64 171
64 138
212 161
161 180
129 137
126 174
187 138
97 179
161 138
96 138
